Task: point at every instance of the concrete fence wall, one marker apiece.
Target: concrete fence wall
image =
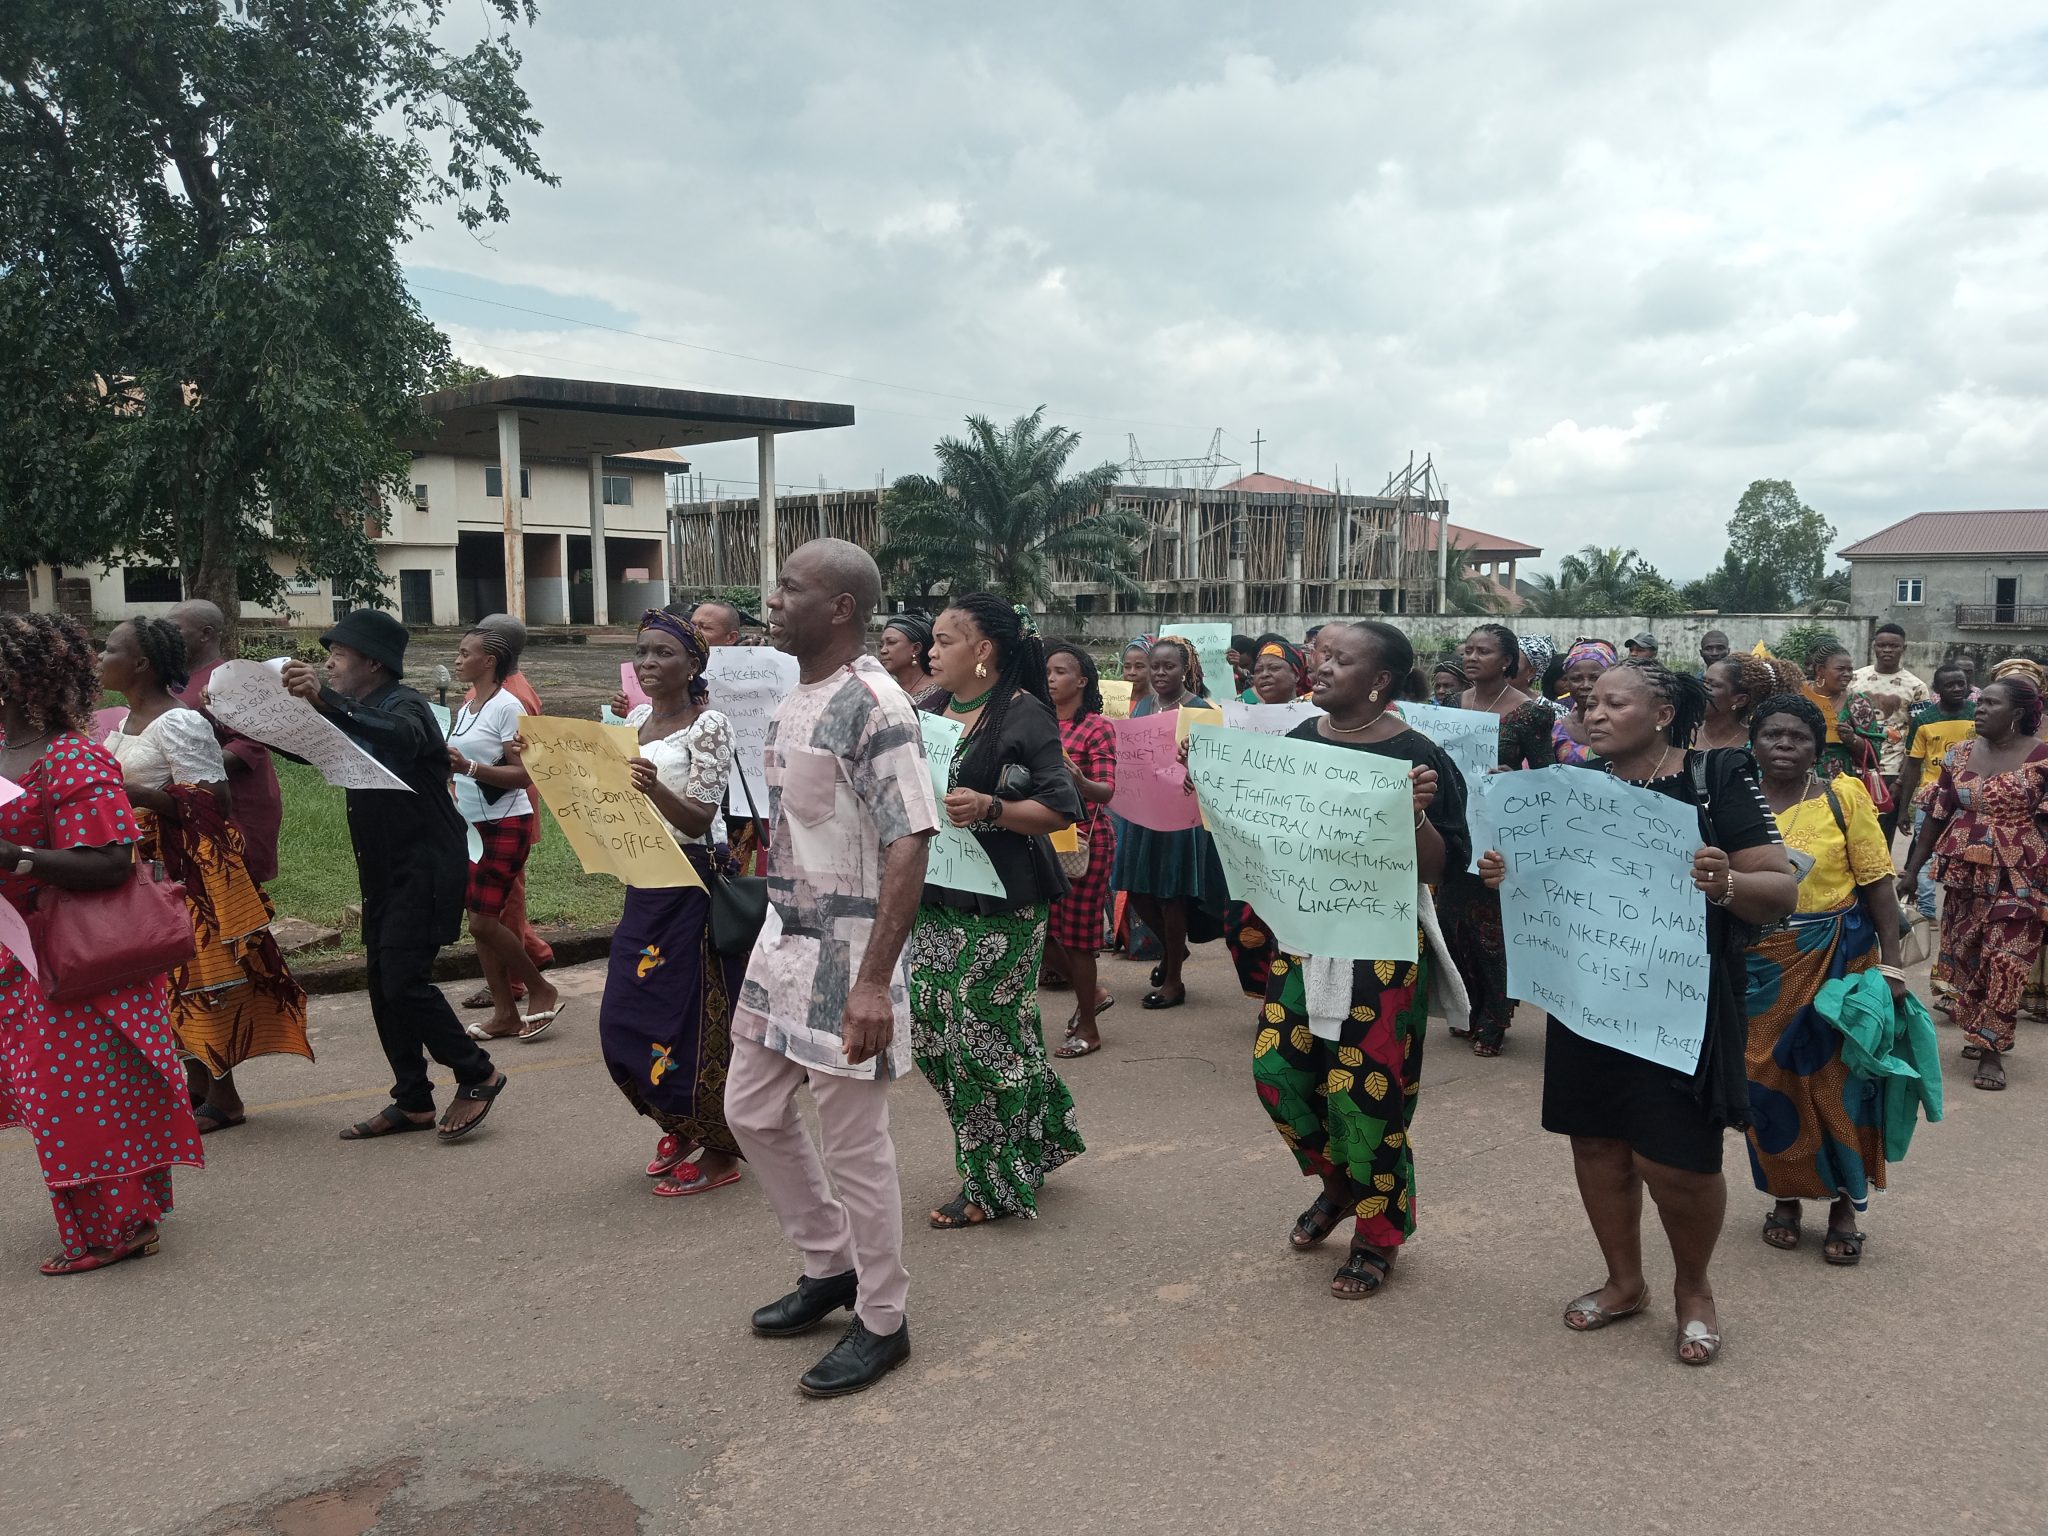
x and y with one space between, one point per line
1678 639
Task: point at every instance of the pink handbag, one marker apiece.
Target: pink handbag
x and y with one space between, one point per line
91 941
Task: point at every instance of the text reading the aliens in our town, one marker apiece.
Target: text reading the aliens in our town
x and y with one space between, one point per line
1319 840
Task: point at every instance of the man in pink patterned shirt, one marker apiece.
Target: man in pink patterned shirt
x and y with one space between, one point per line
851 811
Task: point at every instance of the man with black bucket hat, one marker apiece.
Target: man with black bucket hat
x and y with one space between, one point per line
412 862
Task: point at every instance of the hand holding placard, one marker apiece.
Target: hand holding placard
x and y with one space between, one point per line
957 861
250 697
584 774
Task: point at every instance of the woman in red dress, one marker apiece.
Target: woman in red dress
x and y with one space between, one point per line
95 1080
1074 928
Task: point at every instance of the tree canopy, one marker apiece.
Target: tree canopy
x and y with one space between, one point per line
213 356
1003 515
1601 582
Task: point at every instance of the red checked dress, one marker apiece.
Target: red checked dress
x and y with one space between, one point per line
1076 918
95 1080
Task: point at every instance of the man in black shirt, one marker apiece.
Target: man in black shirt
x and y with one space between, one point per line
412 863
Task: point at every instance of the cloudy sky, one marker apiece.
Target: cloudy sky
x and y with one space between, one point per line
1607 262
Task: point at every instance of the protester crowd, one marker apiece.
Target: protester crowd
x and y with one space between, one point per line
815 946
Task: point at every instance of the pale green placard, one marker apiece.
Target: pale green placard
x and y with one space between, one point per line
956 861
1212 644
1319 840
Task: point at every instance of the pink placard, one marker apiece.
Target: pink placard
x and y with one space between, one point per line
629 684
107 721
1150 781
14 937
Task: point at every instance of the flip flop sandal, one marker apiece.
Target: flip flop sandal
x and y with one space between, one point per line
212 1118
1598 1317
485 1094
1074 1047
388 1121
667 1153
1852 1241
1365 1267
688 1179
479 1032
1486 1048
533 1025
480 998
1315 1224
1698 1335
1987 1082
1774 1223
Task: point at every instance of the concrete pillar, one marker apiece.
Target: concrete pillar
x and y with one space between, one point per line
600 595
766 464
562 567
515 535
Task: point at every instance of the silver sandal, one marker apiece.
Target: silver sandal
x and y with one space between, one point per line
1698 1333
1598 1317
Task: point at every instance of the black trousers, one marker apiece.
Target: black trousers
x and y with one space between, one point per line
414 1021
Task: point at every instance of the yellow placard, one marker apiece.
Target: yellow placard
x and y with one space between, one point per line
1192 715
1116 697
1067 839
580 768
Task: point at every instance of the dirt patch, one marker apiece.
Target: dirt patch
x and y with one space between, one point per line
391 1499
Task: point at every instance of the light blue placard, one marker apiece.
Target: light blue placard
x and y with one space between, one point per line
1320 840
1469 737
1605 929
957 861
441 718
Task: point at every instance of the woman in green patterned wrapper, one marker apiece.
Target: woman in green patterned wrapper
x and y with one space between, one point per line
1337 1057
974 959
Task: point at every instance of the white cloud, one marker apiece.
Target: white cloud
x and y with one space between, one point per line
1608 262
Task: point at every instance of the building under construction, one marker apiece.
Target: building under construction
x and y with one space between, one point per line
1259 544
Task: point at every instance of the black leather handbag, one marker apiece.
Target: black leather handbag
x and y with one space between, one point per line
739 903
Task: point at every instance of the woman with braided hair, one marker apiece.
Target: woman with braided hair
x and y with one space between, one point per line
1632 1122
95 1079
1734 686
234 998
974 959
492 791
1855 729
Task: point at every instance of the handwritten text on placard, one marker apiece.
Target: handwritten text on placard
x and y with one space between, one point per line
957 861
1605 929
1320 840
746 683
249 696
581 770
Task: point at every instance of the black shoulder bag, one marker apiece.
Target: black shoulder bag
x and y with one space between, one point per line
739 903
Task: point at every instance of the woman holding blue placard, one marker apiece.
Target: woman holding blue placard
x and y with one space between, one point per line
1337 1058
974 959
1633 1123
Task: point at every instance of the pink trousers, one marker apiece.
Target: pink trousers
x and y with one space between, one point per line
862 1227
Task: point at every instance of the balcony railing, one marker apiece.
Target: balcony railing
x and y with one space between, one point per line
2002 616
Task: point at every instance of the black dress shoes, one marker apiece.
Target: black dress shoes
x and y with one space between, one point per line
807 1306
857 1361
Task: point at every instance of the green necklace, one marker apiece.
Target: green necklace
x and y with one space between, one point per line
968 706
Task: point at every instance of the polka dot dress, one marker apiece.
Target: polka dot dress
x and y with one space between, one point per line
95 1080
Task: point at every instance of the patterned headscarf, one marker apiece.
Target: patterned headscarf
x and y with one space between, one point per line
1287 651
692 642
2020 666
1541 651
1142 643
1601 651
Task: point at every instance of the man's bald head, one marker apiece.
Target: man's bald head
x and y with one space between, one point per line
716 622
202 624
819 609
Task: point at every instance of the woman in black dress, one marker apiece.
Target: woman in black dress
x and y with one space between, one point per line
1633 1123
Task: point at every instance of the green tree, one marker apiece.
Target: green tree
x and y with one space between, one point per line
1780 538
1003 515
212 355
1739 586
1465 592
1551 598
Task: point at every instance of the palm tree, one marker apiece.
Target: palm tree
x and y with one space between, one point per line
1607 576
1003 515
1555 599
1465 593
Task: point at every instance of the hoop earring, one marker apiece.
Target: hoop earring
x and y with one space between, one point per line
980 669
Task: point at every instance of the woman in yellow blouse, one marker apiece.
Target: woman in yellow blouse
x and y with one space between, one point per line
1816 1128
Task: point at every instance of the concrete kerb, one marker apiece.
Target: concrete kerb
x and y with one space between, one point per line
458 962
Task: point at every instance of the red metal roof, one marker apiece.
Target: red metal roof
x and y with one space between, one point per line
1273 485
1422 535
1956 533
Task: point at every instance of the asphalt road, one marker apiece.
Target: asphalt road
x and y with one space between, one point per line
508 1335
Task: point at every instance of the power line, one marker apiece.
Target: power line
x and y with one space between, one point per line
748 357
